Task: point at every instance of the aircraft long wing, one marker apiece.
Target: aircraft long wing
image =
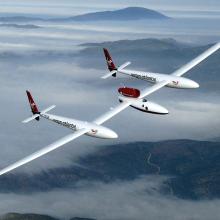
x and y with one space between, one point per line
45 150
197 60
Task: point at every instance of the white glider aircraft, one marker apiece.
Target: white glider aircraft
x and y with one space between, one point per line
175 79
130 97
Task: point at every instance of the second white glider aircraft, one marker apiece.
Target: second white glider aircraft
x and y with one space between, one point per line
130 97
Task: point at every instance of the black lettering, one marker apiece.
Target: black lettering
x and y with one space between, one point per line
144 77
66 124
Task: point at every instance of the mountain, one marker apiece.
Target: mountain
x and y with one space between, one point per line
126 14
216 139
150 53
77 218
130 13
26 26
18 19
193 165
17 216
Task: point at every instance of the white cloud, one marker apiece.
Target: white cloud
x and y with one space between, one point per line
128 200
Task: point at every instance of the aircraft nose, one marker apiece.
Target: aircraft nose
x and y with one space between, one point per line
164 111
110 134
113 135
190 84
194 84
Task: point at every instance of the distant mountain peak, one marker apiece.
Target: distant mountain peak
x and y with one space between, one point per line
130 13
125 14
18 216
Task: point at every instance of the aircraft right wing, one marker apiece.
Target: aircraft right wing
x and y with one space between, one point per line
197 60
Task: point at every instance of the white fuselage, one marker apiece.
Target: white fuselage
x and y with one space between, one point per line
144 105
175 81
73 124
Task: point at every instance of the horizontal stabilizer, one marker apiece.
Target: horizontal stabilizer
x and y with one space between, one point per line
107 75
113 72
36 116
48 109
123 66
31 118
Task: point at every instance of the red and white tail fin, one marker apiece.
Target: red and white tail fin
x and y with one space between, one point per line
34 109
110 63
32 103
111 66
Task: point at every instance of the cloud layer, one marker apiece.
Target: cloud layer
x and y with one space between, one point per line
139 199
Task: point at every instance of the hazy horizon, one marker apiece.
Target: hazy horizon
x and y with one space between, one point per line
68 7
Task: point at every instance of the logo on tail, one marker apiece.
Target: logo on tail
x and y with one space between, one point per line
33 105
110 63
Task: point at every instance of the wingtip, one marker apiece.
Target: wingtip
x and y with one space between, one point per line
217 44
24 121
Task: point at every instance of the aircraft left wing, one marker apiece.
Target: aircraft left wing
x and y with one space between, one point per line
45 150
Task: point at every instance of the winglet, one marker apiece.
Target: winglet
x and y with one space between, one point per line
36 116
120 68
